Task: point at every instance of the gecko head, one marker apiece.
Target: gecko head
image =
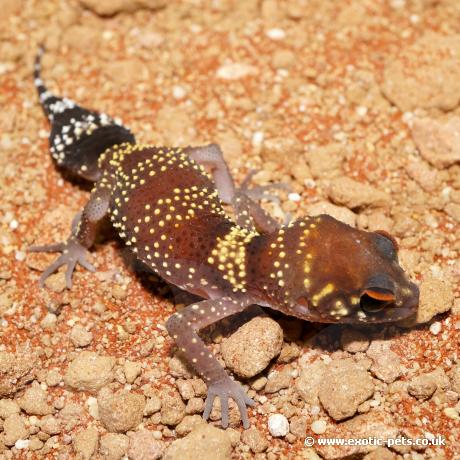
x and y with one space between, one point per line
352 276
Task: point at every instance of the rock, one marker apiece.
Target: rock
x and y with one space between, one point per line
80 337
310 381
346 385
424 386
14 429
289 352
255 440
111 7
50 425
235 71
33 402
251 348
338 212
427 177
436 296
386 364
8 407
89 371
175 126
276 148
144 446
172 407
85 442
381 453
120 412
438 141
319 426
188 423
86 37
53 378
298 426
278 380
425 74
354 341
205 441
126 72
132 370
278 425
376 424
326 161
354 194
453 210
454 376
152 405
16 370
113 446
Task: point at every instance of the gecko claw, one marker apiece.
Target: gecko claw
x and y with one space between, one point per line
73 253
225 389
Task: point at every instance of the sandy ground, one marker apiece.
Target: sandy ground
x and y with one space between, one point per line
355 104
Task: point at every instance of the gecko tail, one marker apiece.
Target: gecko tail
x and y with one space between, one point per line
78 136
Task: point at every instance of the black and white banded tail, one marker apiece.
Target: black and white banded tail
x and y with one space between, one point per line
78 136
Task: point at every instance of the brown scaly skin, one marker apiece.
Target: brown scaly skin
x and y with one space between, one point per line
168 209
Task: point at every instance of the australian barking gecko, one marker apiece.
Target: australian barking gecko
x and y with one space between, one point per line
167 206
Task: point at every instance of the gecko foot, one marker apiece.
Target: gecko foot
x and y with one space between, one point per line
225 389
259 192
72 253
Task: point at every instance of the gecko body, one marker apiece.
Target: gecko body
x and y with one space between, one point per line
167 206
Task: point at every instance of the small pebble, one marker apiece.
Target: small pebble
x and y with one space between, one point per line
435 328
294 197
276 34
257 138
21 444
318 426
278 425
178 92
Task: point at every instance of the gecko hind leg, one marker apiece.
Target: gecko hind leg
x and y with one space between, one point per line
183 327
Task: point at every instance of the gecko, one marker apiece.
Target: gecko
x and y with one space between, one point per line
168 206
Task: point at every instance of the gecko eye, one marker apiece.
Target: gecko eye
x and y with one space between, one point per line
386 244
378 293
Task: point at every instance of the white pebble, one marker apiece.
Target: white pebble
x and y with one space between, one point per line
93 408
20 256
178 92
276 34
14 224
318 426
22 444
361 111
235 70
294 197
278 425
257 138
435 328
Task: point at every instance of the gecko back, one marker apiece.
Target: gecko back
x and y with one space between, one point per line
78 136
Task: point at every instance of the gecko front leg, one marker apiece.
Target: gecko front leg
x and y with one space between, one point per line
248 213
83 232
183 327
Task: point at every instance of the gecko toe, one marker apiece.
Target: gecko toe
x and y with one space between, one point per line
73 253
228 389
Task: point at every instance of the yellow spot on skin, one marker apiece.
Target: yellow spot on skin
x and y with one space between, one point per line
328 289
